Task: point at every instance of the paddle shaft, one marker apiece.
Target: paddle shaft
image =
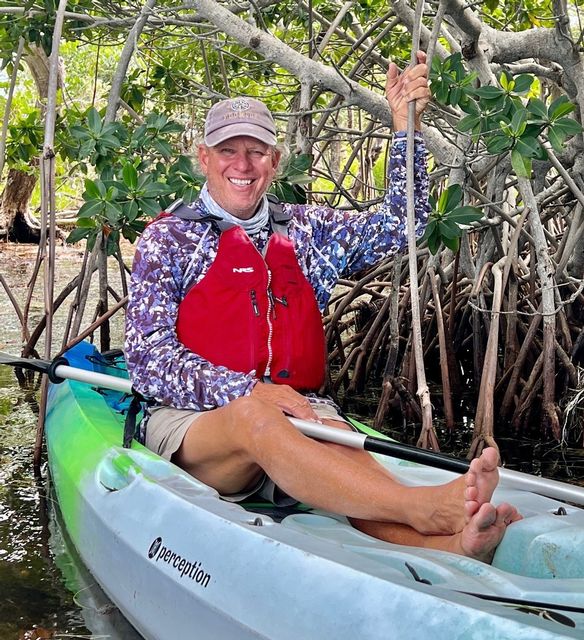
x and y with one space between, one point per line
512 479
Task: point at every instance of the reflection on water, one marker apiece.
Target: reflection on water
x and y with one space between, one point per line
33 592
97 610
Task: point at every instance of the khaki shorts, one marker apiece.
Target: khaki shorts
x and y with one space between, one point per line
167 427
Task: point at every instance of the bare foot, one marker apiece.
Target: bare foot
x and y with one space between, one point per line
485 530
456 502
480 481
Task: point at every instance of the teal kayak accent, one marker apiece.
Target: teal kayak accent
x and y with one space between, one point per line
181 563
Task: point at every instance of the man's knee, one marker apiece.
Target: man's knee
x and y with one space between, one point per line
252 415
254 421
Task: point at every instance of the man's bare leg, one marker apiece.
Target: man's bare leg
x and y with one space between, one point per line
228 447
478 539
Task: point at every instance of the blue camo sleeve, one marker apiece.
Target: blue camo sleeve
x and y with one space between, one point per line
334 243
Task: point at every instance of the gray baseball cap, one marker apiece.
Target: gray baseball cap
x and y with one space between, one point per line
239 117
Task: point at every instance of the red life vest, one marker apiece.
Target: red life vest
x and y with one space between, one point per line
254 313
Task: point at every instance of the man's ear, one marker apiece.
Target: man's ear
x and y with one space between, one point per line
276 156
203 154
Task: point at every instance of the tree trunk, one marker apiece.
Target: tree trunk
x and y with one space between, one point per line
19 225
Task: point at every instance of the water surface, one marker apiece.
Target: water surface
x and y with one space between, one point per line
45 592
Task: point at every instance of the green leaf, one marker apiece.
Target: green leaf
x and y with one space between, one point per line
470 106
523 83
519 121
521 165
430 228
109 142
113 212
434 242
567 126
90 209
449 229
86 223
131 210
148 206
94 120
298 164
112 243
189 194
452 243
450 198
560 107
91 241
299 179
154 189
93 189
79 133
87 148
129 234
465 215
455 96
77 235
441 92
283 191
529 147
184 166
489 92
468 122
498 144
556 138
163 147
130 176
120 187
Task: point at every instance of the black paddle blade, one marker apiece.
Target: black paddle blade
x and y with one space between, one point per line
42 366
34 364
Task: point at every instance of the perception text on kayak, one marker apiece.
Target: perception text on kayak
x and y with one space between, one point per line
186 568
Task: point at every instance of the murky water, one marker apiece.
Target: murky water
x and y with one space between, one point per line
45 592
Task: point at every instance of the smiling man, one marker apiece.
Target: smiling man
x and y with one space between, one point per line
224 333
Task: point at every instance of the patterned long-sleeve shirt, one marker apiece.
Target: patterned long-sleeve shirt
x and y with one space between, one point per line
174 254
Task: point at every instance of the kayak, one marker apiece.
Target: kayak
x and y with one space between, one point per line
179 562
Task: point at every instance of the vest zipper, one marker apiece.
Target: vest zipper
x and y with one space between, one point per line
254 302
269 321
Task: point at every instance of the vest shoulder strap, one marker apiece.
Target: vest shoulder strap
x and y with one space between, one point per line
193 212
279 217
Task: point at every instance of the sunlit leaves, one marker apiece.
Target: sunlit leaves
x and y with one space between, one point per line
447 219
136 177
449 80
25 141
506 117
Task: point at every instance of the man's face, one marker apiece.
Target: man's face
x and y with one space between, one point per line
239 172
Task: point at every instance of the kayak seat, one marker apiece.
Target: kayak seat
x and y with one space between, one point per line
546 545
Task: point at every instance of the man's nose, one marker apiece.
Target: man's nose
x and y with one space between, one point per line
242 161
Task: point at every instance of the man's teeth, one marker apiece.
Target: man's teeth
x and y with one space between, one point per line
239 182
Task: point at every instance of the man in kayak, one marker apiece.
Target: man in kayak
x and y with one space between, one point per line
224 332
